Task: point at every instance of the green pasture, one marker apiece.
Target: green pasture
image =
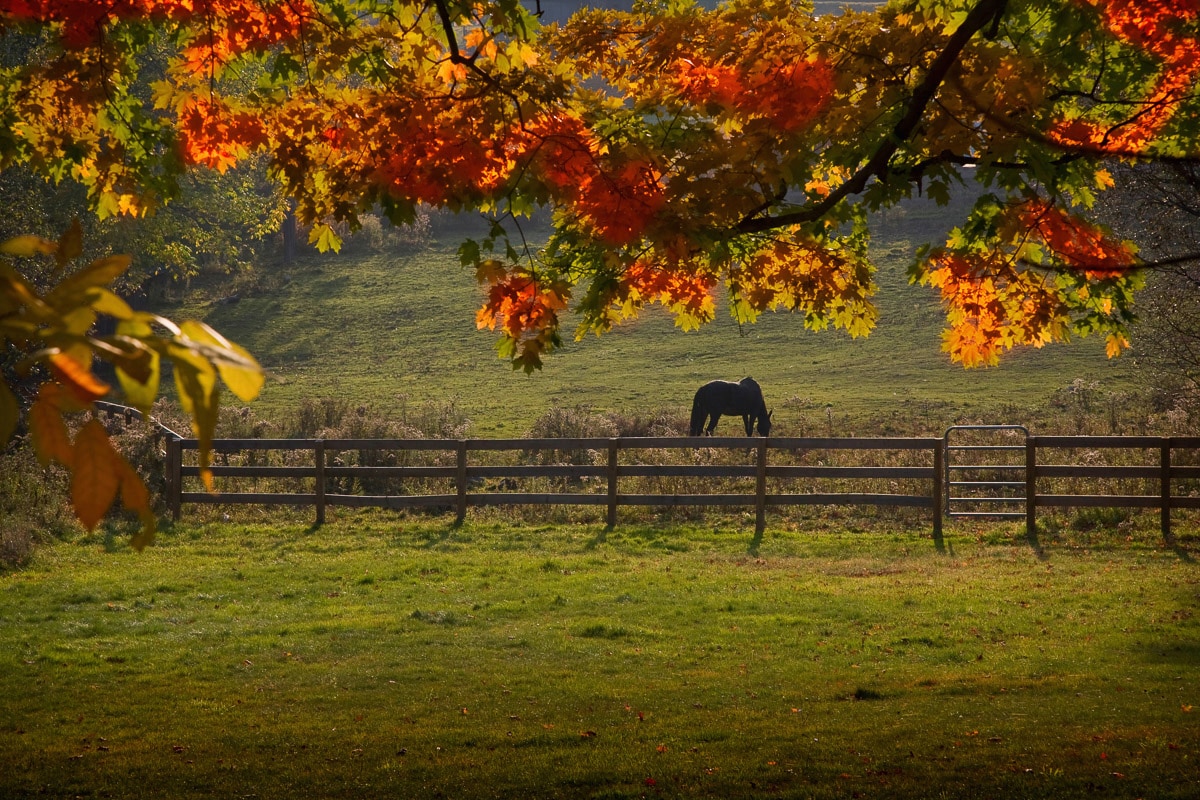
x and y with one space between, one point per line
392 329
384 656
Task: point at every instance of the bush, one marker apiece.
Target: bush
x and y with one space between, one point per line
34 504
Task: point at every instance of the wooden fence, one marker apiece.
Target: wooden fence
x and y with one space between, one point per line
1157 472
468 477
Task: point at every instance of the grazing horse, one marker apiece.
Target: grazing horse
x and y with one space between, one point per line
726 397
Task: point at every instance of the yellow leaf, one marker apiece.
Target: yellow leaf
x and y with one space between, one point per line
105 301
1104 179
27 245
95 474
139 373
100 272
196 383
325 239
490 271
237 368
1115 344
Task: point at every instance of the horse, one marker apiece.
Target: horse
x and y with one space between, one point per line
726 397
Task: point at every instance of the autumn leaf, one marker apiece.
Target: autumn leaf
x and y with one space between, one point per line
237 368
95 474
51 440
100 273
27 246
10 413
70 244
78 379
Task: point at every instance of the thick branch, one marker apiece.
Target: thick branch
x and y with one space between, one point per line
984 13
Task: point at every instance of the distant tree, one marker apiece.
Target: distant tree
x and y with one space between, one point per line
1158 206
680 148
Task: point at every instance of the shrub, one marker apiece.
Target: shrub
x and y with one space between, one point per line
33 504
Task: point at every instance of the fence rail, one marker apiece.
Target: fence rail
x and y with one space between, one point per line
1157 476
468 476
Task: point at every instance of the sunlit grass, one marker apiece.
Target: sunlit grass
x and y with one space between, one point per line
382 656
373 329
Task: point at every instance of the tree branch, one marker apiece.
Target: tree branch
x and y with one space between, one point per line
983 14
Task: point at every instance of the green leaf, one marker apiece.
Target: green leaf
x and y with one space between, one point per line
469 253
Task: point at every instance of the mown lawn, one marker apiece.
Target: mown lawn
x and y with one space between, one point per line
380 656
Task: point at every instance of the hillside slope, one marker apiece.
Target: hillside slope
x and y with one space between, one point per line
383 328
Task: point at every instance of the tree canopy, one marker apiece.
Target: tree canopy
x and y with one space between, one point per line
682 150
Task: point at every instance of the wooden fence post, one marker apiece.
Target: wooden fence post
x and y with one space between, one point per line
461 480
939 469
1031 486
319 462
760 490
1164 463
612 483
174 468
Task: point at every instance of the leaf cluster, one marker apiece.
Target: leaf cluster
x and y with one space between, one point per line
55 328
679 147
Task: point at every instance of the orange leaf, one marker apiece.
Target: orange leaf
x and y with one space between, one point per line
134 494
85 386
1114 345
94 479
50 438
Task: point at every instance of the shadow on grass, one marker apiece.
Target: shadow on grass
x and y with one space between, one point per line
1183 654
433 539
1035 544
755 543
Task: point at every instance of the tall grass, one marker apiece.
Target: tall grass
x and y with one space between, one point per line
36 508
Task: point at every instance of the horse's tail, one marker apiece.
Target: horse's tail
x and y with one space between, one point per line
698 415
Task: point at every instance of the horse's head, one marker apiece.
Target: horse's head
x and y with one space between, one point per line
764 424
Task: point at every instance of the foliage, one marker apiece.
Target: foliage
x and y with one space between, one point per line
55 330
682 149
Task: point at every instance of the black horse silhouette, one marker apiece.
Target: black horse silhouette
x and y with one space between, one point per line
743 398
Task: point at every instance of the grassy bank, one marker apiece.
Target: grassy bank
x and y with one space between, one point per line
399 328
385 657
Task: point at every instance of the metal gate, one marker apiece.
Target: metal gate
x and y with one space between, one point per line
985 471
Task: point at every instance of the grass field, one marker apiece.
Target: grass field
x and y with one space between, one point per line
388 657
385 329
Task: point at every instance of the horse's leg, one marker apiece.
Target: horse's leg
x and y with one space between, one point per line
698 417
748 421
712 426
